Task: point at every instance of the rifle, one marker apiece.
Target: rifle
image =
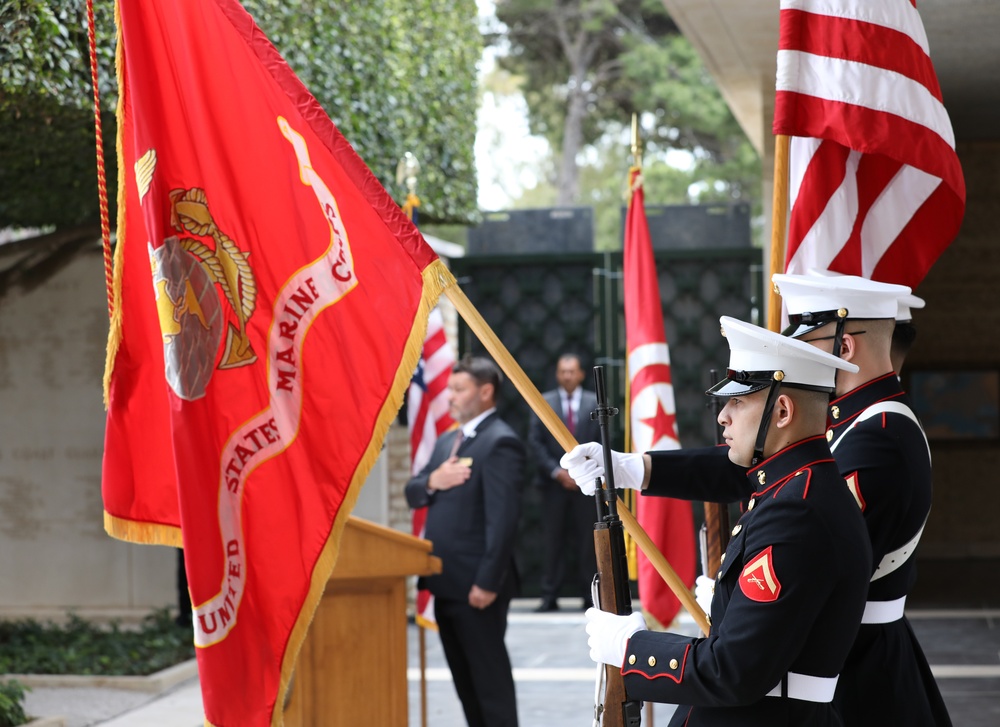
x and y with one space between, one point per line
714 534
611 581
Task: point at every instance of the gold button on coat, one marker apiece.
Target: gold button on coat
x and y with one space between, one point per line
673 663
751 504
722 559
631 659
737 529
652 661
829 435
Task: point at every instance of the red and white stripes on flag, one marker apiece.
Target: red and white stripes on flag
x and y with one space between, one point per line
428 417
875 185
652 412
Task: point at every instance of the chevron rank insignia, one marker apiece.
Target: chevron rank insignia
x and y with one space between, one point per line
758 580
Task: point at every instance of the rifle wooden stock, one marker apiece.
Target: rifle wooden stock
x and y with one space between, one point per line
618 710
715 531
716 536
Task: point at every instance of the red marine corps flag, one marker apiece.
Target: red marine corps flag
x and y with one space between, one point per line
269 309
428 416
652 414
876 188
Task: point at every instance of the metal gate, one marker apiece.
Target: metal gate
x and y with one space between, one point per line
543 305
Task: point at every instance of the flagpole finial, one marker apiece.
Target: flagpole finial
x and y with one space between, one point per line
636 142
407 171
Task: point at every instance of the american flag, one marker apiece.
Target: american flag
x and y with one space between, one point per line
427 417
875 185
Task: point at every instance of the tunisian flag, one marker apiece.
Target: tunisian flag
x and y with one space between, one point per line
428 417
876 188
652 413
270 301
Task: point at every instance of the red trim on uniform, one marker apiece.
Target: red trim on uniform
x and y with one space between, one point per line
678 680
855 487
783 451
883 418
862 386
837 424
782 482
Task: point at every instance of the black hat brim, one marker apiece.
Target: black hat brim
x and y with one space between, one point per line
728 387
800 329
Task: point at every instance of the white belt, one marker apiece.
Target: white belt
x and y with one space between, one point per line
883 612
807 688
894 560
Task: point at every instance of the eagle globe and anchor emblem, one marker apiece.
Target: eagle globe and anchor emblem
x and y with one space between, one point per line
185 272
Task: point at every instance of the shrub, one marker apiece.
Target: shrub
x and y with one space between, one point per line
80 647
11 707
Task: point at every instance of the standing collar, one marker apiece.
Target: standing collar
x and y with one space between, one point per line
848 406
788 461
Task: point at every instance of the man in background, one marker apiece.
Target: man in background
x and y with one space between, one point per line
472 490
568 515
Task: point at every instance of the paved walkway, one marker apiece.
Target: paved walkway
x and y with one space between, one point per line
555 677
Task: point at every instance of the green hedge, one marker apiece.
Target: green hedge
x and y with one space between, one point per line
394 75
80 647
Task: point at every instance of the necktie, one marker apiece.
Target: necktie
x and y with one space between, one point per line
570 423
459 436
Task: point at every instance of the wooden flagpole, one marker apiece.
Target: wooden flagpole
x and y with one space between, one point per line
566 440
779 218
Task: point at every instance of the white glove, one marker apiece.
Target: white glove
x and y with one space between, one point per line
704 590
609 634
585 463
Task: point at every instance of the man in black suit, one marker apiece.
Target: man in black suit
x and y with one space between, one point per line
568 515
472 489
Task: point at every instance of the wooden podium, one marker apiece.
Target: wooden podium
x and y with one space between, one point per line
352 666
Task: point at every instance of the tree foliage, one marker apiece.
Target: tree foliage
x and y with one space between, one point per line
588 65
394 75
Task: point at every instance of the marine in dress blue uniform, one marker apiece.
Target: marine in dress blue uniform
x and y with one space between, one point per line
882 452
791 590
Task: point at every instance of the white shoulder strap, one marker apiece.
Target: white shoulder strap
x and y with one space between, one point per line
891 561
883 407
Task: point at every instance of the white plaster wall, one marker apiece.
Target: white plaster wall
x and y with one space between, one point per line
54 553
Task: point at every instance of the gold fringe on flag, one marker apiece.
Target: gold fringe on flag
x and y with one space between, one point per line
148 533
